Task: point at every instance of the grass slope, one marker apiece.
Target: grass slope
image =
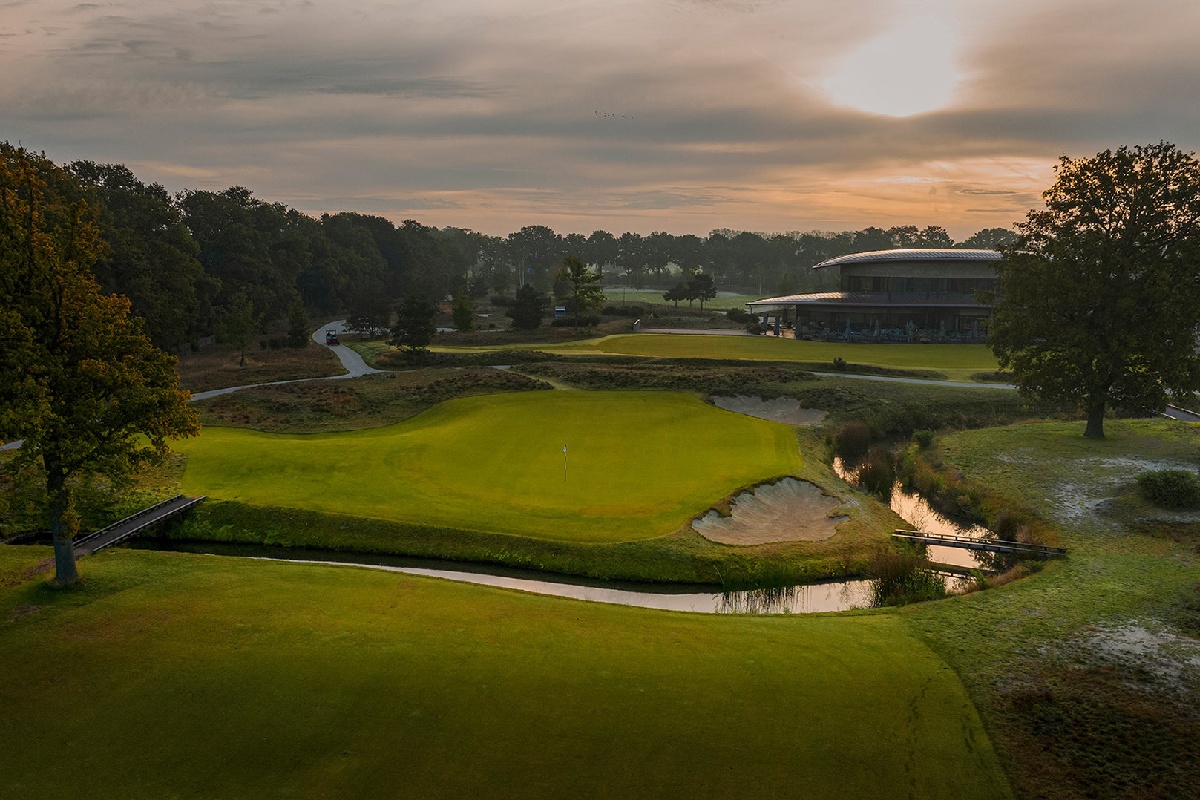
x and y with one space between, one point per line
639 464
168 675
1088 674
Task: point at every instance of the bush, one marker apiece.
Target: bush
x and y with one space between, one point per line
754 328
622 311
922 437
586 321
877 473
839 364
739 315
501 301
852 440
900 578
1171 488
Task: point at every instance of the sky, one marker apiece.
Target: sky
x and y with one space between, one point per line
681 116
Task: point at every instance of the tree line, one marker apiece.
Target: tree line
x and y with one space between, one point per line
187 261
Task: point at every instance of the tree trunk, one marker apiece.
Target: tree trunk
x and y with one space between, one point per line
1095 420
63 526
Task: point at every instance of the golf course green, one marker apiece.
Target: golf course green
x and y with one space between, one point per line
172 675
956 360
637 464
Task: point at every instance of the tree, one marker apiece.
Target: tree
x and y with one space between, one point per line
528 308
298 326
1099 300
676 293
701 288
80 381
238 324
463 310
988 239
414 327
584 290
370 313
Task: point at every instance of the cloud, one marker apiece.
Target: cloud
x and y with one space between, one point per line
682 116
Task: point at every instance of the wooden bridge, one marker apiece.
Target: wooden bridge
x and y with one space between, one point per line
135 524
990 545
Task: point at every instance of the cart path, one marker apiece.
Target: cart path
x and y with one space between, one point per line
352 362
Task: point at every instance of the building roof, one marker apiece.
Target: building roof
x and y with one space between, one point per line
871 299
911 254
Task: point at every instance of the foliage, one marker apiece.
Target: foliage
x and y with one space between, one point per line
922 437
1099 301
298 325
462 312
239 324
1172 488
900 577
853 439
877 471
701 287
585 293
80 381
414 329
528 308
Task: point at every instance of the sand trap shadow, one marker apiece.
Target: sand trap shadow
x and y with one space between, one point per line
788 510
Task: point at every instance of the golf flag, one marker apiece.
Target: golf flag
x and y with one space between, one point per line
564 462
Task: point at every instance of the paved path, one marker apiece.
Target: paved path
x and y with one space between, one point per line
351 361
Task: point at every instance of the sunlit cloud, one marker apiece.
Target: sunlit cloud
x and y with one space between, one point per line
678 115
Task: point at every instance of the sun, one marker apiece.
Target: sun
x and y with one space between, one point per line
910 69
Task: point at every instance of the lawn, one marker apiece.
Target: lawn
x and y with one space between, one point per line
638 465
958 361
168 675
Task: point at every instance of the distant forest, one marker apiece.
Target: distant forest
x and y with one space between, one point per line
183 259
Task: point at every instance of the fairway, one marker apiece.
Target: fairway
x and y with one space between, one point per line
954 359
638 464
170 675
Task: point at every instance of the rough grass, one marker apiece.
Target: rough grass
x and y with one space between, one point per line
1087 674
355 403
217 367
496 464
167 675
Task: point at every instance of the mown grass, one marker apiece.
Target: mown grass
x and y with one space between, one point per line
496 464
956 361
167 675
1071 716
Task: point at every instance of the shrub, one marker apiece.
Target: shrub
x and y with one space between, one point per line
839 364
741 316
754 328
900 578
569 322
923 437
877 473
852 440
1171 488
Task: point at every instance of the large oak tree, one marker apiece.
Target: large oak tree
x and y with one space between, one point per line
1098 303
80 381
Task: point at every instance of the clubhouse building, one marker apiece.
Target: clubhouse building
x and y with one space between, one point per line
892 296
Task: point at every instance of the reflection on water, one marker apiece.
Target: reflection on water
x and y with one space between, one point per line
916 511
831 596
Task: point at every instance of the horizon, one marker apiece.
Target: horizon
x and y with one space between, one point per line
683 117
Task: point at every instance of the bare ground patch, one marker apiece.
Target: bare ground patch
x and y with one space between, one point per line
788 510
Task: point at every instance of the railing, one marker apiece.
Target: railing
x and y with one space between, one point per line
135 523
990 545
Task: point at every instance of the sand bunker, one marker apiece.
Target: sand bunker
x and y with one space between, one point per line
788 510
780 409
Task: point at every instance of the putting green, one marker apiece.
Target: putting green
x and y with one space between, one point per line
638 464
951 358
168 675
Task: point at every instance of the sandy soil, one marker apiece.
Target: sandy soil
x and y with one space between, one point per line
780 409
788 510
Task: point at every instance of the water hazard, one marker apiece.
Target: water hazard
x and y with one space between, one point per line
916 511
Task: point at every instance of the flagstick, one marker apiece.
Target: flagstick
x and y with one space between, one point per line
564 463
